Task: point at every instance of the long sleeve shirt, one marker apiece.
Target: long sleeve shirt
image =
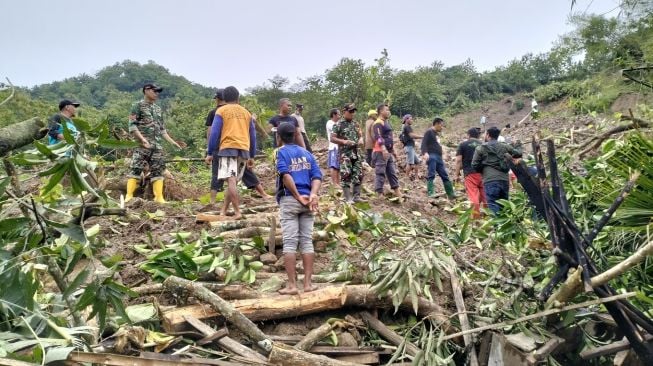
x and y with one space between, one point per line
430 143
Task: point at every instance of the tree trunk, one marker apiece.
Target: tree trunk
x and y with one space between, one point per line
275 306
264 308
389 334
20 134
315 336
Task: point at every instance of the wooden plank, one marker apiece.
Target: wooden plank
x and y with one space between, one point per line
369 358
10 362
109 359
462 315
609 349
214 337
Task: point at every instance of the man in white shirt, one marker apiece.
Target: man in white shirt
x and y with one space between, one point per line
333 162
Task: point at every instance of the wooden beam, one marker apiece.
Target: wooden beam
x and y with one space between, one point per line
389 334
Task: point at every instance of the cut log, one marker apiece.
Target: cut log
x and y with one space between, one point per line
273 307
20 134
225 342
462 315
227 310
264 308
388 334
227 292
284 355
315 336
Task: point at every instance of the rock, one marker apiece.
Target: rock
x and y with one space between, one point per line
268 258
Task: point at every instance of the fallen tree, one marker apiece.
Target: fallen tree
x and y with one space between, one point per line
20 134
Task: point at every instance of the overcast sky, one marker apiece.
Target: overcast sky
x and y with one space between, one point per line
244 43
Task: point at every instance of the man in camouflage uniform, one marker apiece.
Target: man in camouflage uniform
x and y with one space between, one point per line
146 125
347 134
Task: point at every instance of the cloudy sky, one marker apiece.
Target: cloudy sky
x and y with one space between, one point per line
246 42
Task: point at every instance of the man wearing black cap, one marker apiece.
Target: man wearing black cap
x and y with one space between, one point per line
250 180
67 110
472 179
147 127
348 135
299 108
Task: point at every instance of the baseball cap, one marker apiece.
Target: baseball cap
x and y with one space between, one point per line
372 112
349 107
406 117
299 105
286 129
67 102
152 86
219 94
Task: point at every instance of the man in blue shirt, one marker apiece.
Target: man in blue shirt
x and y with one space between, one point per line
67 110
298 184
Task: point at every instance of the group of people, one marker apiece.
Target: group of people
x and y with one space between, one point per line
231 147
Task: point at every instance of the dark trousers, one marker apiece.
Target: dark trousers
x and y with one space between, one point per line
307 143
368 156
384 168
494 191
436 165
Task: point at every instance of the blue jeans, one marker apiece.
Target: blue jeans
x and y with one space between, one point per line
436 165
494 191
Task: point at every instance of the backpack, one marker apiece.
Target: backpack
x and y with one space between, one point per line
403 136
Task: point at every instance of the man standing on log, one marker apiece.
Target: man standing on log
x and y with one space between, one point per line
432 151
298 185
146 125
472 179
67 110
250 180
299 108
348 136
333 159
489 160
233 137
383 155
284 116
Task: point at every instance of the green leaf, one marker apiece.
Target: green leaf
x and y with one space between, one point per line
81 124
3 185
45 150
13 223
73 231
77 282
111 261
87 297
56 177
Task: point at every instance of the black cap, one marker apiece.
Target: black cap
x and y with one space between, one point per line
349 107
67 102
286 129
299 105
152 86
219 94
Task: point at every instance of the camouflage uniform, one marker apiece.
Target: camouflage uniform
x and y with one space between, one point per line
147 118
351 159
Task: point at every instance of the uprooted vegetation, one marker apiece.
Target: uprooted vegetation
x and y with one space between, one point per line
416 281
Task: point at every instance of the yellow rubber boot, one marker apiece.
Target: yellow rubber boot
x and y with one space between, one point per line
132 184
157 187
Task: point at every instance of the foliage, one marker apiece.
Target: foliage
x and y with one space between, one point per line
191 259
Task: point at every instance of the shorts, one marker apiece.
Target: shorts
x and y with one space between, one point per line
333 160
230 166
411 157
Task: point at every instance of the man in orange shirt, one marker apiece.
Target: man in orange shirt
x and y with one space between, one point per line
234 134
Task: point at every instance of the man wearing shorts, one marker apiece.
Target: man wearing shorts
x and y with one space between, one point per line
233 134
333 162
412 160
298 184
